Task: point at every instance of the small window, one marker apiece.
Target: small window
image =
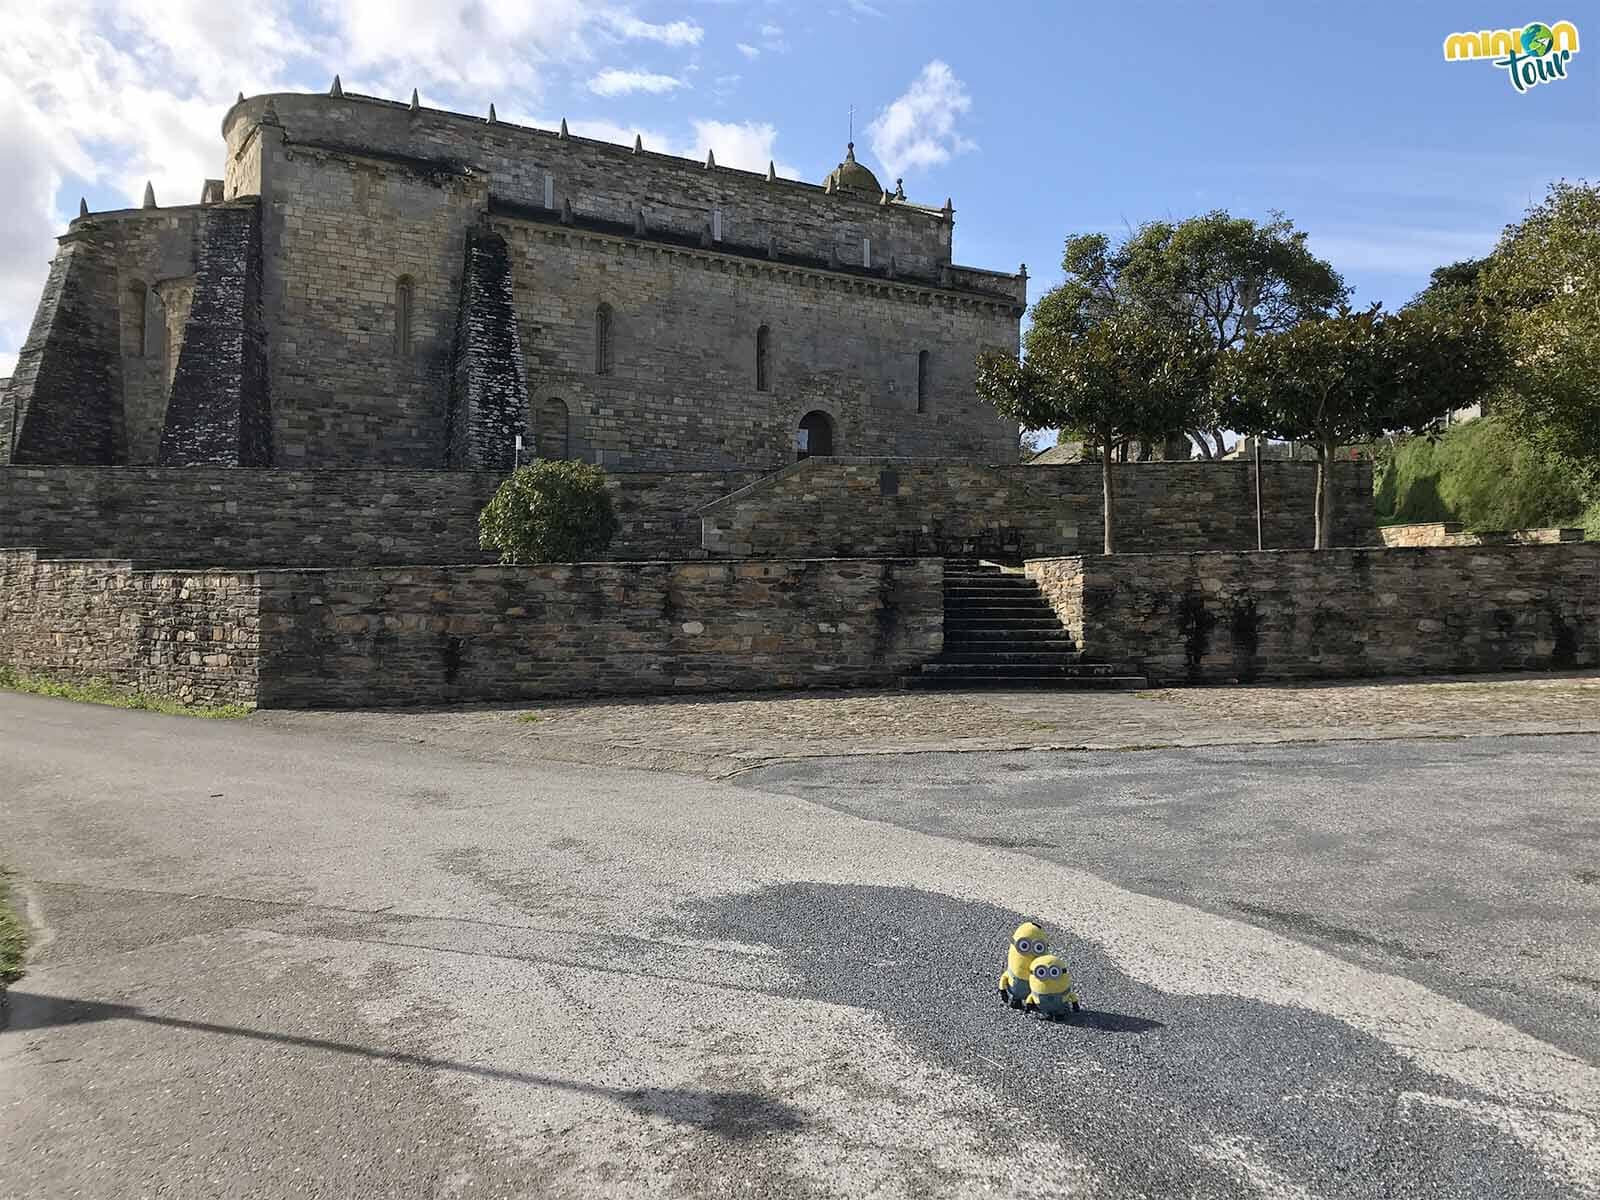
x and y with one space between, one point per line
404 298
922 382
716 224
602 340
866 252
763 363
549 190
553 429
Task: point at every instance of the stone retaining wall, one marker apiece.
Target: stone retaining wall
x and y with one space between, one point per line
192 636
413 635
1450 533
204 516
1220 617
429 635
931 506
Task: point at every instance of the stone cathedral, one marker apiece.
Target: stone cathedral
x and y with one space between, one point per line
379 284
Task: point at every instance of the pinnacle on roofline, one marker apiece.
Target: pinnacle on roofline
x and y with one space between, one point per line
337 89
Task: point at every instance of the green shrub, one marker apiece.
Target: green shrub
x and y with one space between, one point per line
1480 475
549 512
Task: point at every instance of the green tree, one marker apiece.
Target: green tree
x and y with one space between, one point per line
549 511
1544 278
1354 377
1119 377
1222 277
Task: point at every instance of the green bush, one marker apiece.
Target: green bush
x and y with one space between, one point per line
549 512
1480 475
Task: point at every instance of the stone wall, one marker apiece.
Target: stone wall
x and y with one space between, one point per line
205 516
1221 617
1449 533
430 635
611 182
680 386
1208 505
191 636
905 506
869 506
412 635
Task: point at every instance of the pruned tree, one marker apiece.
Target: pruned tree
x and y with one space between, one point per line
1225 278
1353 377
1118 377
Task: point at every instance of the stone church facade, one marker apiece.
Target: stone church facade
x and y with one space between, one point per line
376 284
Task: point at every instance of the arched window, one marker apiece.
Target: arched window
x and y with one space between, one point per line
763 360
814 437
602 340
138 340
404 300
552 436
922 382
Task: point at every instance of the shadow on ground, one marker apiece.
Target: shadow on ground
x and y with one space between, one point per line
1164 1094
736 1115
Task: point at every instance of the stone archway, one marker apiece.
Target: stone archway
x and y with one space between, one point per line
814 436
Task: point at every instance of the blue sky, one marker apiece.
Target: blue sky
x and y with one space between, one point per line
1040 119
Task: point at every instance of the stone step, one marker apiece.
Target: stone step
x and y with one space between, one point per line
1032 604
1019 624
1064 657
942 666
1030 645
1027 683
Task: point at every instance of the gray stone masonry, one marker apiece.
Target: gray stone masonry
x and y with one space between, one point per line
66 393
907 506
217 413
1450 533
360 268
190 636
1221 617
210 516
488 382
415 635
431 635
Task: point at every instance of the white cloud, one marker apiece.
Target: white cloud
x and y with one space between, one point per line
623 83
749 51
918 129
674 33
96 96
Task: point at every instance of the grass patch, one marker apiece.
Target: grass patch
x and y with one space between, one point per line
99 691
13 937
1480 475
530 718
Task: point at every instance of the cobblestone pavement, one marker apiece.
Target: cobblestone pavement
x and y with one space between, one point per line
725 734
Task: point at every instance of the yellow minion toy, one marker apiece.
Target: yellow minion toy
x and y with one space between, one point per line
1050 994
1027 943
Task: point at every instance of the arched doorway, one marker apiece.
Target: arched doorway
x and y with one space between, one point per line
814 437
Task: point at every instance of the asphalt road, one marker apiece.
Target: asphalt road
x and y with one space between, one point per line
294 964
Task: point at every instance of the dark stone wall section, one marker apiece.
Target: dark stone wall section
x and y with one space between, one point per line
1332 614
66 394
218 413
210 515
488 382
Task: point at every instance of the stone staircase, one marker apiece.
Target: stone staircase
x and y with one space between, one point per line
999 632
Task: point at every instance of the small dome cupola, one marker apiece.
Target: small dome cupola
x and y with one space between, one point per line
851 176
